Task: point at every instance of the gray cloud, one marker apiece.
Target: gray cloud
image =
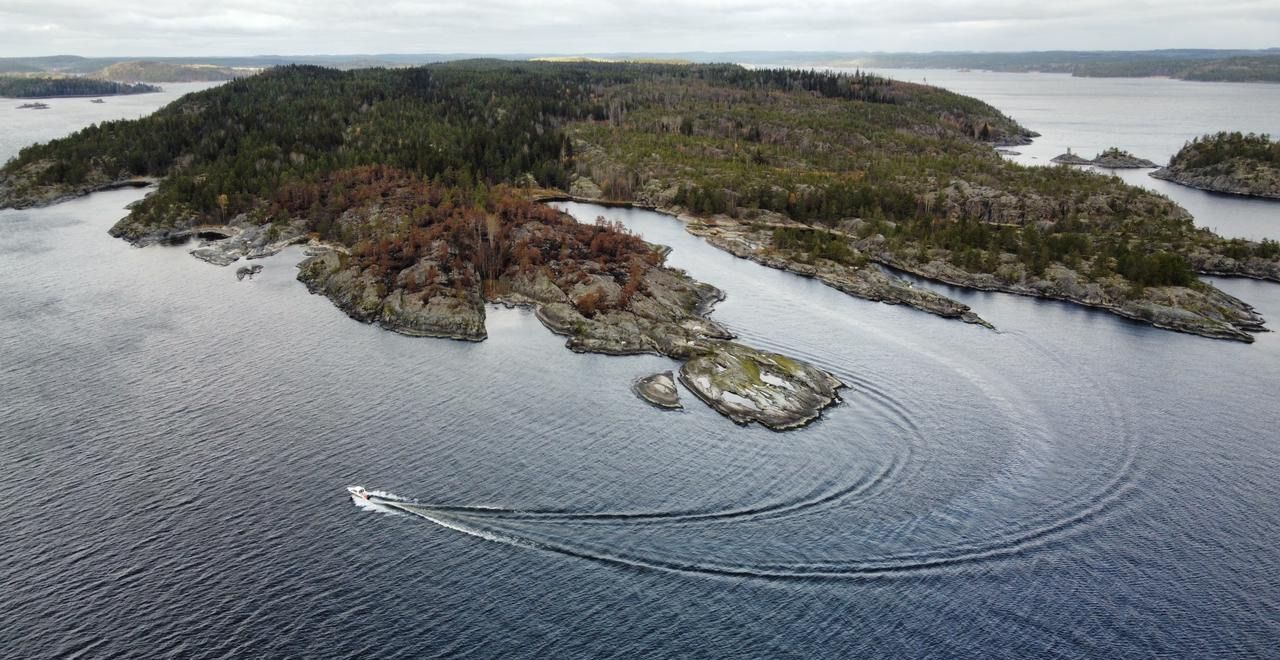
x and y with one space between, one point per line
241 27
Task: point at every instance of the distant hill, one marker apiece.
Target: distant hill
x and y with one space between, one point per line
1239 65
76 65
631 60
157 72
1187 64
65 64
1228 69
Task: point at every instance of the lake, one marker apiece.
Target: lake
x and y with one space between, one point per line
177 442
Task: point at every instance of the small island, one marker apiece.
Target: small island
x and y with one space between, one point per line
23 87
1119 159
1233 163
1112 159
659 390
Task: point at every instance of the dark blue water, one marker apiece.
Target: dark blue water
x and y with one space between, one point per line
176 445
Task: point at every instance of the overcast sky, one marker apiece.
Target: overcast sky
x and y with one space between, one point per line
303 27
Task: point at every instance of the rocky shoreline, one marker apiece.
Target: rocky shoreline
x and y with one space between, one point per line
16 193
668 317
665 315
1223 180
1254 268
1204 311
749 240
1217 314
364 298
752 241
668 320
1231 163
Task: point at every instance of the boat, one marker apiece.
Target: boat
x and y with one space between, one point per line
359 491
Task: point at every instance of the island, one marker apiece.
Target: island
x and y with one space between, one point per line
1071 159
416 192
24 87
1233 163
1113 158
1119 159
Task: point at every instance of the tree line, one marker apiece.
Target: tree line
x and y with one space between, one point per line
34 87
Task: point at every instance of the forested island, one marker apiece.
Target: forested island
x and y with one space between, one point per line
1265 68
1235 163
45 87
847 178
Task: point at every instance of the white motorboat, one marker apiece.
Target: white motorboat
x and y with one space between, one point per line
358 491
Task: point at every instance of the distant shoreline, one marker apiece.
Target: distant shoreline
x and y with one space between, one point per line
74 96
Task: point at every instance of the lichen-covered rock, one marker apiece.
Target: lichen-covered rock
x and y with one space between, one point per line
749 385
668 320
366 298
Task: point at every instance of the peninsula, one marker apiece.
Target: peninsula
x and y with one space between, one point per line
850 178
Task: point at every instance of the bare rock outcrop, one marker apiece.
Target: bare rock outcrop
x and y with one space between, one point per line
749 385
659 390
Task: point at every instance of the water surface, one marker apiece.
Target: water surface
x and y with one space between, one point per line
176 445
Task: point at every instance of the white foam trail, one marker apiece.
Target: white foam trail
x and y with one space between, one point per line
459 526
388 496
368 505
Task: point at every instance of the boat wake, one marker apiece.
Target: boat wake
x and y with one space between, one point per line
380 501
1076 507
